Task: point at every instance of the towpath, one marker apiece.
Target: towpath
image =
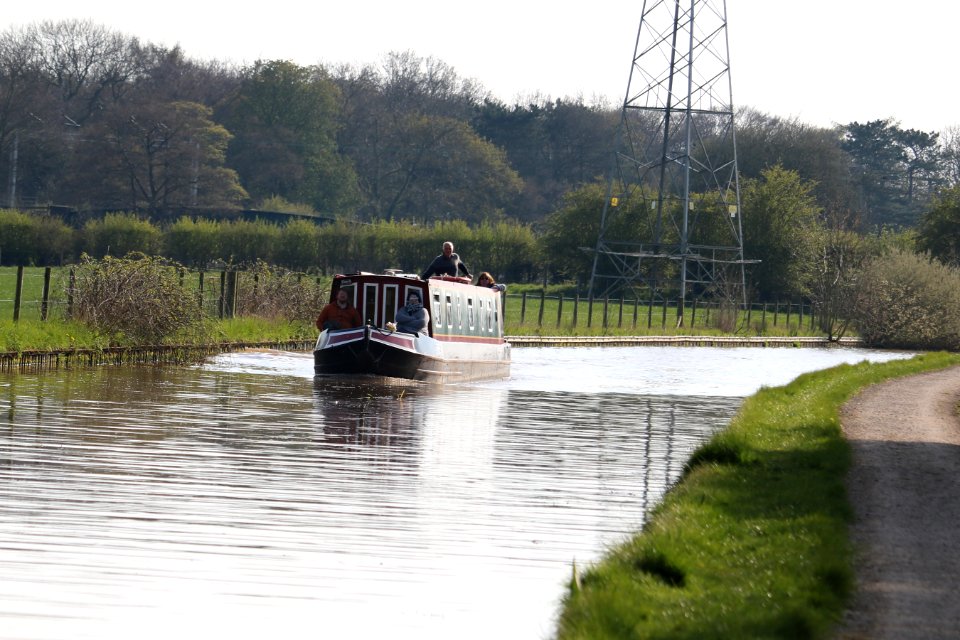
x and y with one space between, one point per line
904 487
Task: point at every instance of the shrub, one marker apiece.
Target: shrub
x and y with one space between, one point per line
909 301
193 242
276 293
119 234
243 242
138 298
27 239
18 238
298 245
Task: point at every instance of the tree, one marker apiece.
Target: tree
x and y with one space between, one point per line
415 153
285 119
815 153
571 232
780 219
160 155
897 170
939 232
555 146
950 141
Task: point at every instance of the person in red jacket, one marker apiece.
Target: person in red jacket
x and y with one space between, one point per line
339 314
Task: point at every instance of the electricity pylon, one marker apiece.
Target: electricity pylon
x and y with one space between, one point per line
671 218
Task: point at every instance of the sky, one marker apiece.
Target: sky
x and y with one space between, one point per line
819 61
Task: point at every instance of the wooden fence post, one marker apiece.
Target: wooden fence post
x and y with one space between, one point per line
620 316
523 307
71 287
559 309
606 303
45 303
223 292
663 320
636 310
576 308
543 300
590 310
18 294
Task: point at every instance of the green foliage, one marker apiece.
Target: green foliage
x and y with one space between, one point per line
753 542
285 118
298 245
909 301
193 242
28 239
779 229
118 234
571 232
136 300
939 232
244 242
896 169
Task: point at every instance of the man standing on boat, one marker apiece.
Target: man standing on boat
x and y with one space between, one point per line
339 315
446 264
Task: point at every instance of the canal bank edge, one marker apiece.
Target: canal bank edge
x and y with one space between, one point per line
178 354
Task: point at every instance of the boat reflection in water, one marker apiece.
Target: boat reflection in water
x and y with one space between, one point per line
247 498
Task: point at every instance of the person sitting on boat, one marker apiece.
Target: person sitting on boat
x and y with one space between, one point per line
339 314
446 264
413 318
486 280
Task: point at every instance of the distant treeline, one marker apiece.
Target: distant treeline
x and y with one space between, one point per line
96 119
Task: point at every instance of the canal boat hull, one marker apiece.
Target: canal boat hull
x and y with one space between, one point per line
464 341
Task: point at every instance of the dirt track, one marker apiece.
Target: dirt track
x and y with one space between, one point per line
905 490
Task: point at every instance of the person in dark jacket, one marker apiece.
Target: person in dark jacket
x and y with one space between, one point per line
446 264
413 318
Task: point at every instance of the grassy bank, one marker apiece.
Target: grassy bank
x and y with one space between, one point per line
753 542
17 337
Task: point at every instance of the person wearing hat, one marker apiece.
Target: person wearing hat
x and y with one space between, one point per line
413 318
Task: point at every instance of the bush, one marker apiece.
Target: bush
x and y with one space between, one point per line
119 234
193 242
909 301
33 240
276 293
138 298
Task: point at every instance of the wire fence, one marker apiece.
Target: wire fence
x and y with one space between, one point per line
44 293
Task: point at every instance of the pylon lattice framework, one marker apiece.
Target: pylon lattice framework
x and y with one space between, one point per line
671 218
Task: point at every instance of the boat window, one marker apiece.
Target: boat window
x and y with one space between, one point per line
470 322
449 311
389 303
370 303
437 317
495 325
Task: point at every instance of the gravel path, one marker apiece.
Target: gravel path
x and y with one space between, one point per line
903 486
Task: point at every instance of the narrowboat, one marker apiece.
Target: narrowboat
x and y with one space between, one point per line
463 341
